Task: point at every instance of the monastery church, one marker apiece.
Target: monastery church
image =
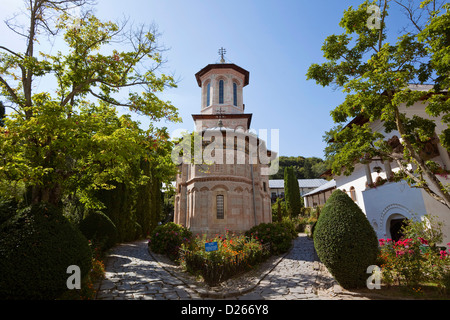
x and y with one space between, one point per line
230 190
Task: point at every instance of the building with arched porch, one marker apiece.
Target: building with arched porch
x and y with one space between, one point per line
385 202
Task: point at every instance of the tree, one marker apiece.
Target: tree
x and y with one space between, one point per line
435 35
279 210
304 168
291 192
376 76
72 140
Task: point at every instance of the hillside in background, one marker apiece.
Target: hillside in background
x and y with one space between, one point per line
304 168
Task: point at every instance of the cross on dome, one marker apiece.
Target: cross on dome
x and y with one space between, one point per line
222 52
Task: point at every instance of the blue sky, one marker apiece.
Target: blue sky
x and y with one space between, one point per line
276 41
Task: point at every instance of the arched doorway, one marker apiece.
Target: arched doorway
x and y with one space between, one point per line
391 221
395 225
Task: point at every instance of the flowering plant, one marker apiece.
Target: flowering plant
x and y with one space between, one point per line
168 239
234 254
416 258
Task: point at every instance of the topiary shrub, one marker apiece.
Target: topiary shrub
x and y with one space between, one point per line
36 247
98 228
168 238
345 241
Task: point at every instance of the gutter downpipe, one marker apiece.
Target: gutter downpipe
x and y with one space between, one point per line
253 187
186 212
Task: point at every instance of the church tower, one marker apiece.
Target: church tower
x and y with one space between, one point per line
231 191
222 97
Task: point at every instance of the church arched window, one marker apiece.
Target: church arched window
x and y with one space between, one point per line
220 206
235 94
221 91
208 94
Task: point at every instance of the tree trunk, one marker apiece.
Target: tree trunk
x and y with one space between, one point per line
47 194
443 196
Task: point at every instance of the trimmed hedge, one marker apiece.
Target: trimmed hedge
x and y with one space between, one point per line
37 246
345 241
278 234
98 228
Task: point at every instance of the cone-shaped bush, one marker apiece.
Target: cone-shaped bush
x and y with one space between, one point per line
345 241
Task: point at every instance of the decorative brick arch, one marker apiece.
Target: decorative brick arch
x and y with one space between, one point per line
220 186
239 190
388 212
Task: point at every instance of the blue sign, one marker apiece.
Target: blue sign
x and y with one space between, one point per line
211 246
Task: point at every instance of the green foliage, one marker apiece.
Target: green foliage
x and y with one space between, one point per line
69 146
65 152
168 239
98 228
149 200
8 208
72 141
292 193
119 208
283 210
168 204
416 258
446 281
345 241
375 76
36 247
438 45
301 223
278 234
304 168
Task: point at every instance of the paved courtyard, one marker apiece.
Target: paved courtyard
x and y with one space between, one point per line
132 273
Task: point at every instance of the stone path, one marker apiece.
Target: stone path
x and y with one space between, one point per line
132 273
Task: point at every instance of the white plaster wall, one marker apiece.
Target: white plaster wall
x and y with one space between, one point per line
358 180
440 212
392 198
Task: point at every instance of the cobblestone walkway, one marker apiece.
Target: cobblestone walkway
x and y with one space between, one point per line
133 273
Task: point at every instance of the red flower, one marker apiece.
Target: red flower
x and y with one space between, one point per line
422 240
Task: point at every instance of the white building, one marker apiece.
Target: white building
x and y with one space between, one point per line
320 195
386 204
276 186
